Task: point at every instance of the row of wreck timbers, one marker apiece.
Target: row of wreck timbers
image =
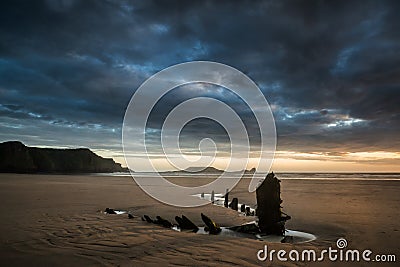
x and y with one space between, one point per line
271 218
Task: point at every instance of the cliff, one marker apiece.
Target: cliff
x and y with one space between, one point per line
15 157
211 170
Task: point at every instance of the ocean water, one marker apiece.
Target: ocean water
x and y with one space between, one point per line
282 176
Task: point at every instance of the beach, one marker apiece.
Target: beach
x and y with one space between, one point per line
58 220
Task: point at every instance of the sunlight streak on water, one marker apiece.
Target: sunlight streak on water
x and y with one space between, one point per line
281 176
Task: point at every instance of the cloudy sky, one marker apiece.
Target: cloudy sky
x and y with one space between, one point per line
329 69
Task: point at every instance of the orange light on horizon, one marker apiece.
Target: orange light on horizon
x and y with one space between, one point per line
290 161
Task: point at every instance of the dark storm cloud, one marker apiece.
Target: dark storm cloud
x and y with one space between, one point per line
330 70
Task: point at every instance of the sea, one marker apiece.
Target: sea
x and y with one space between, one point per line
283 176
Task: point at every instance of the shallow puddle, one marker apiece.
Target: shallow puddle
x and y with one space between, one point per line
291 236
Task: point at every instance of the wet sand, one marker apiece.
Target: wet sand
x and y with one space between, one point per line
56 220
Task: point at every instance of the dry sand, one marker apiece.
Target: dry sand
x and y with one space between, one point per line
55 220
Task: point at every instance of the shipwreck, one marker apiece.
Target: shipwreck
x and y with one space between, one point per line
271 218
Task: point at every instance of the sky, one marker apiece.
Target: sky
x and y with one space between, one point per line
330 71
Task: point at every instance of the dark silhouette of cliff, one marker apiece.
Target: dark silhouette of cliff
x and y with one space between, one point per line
15 157
202 170
211 170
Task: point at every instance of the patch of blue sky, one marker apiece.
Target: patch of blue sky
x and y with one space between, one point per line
343 59
159 28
